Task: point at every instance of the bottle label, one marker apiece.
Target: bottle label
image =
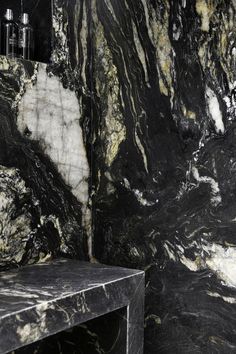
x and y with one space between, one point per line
13 40
24 40
22 44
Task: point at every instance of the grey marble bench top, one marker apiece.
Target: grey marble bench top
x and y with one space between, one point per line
40 300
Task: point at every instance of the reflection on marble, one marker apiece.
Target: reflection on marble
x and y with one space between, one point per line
40 300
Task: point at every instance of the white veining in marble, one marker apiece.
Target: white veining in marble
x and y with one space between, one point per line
14 231
214 110
52 115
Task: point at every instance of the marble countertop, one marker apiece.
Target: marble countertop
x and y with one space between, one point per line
39 300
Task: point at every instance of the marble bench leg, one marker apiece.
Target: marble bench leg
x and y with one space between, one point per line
130 338
135 318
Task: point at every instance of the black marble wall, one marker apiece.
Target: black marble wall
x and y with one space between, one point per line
44 167
164 163
155 85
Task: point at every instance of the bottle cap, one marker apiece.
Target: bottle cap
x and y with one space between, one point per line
25 18
9 15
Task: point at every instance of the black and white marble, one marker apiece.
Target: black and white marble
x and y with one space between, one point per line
45 111
44 168
164 163
155 85
40 300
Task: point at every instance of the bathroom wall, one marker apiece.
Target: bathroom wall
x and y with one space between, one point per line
43 161
147 90
164 163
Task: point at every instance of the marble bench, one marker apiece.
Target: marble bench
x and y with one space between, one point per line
40 300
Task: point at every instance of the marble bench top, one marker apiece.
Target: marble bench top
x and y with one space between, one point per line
39 300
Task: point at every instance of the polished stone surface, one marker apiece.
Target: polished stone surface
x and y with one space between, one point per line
43 167
40 300
45 144
45 147
155 83
164 166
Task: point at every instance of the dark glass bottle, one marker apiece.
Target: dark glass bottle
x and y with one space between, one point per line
26 38
9 35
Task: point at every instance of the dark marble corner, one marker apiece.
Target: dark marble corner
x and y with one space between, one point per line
40 300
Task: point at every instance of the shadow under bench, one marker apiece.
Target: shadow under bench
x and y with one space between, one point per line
40 300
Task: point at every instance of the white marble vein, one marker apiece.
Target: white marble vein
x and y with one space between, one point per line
52 115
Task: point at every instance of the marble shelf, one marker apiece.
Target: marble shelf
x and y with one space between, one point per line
40 300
